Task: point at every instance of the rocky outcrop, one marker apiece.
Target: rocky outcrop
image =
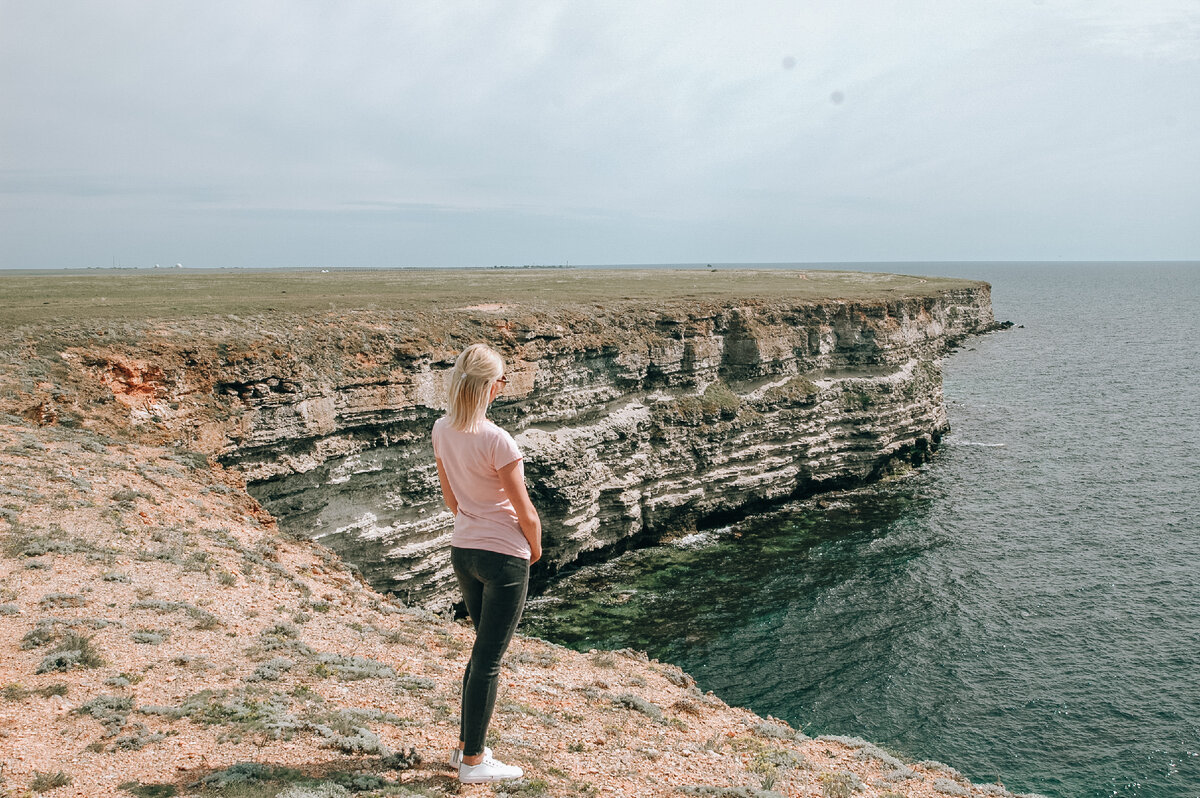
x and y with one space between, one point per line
635 424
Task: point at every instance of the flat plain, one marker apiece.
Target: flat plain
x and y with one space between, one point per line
33 298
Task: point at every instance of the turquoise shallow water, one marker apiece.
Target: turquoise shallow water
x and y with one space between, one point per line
1025 608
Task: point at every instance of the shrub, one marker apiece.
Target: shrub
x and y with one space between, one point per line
242 713
110 710
204 618
249 773
39 636
948 787
839 785
353 668
271 670
48 781
324 789
359 740
73 651
630 701
140 737
53 600
415 683
16 692
797 390
280 638
728 792
720 397
149 790
774 730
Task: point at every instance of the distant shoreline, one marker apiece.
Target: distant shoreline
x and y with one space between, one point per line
865 265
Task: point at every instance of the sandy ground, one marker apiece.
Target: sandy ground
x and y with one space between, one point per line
209 640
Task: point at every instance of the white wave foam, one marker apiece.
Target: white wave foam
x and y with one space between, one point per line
698 540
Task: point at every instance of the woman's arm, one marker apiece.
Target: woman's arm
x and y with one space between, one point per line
512 479
447 493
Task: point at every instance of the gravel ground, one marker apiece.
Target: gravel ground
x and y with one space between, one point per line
256 648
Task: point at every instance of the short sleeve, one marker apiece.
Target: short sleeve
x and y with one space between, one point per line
505 450
437 430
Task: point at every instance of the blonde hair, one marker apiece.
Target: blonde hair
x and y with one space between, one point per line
477 367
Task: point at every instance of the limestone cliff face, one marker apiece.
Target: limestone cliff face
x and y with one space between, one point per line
633 428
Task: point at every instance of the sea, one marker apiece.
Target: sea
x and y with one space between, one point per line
1024 608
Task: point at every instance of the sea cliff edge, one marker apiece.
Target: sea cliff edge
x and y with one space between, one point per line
222 543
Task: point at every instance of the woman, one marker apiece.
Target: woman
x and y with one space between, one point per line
497 536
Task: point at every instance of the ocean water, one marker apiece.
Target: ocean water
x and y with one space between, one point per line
1025 608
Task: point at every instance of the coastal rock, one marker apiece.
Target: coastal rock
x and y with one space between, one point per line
634 425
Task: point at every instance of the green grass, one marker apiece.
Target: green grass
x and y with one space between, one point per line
127 295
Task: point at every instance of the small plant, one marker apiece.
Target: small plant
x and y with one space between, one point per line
352 668
842 784
38 636
271 670
723 399
857 400
110 710
204 619
244 773
534 788
149 790
797 390
137 739
415 683
324 789
124 679
604 659
125 498
631 701
73 651
54 600
15 692
948 787
43 782
774 729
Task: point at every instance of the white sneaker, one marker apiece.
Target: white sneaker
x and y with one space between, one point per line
487 770
457 753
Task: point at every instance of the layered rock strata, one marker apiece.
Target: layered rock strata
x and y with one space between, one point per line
658 418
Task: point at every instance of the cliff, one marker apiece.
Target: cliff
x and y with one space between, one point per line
661 419
646 402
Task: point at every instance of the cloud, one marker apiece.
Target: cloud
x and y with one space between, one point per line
669 118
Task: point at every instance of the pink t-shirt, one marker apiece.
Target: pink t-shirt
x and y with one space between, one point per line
472 460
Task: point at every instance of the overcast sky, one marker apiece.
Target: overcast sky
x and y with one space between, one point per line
256 133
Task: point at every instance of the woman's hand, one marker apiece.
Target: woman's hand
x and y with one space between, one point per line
512 479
